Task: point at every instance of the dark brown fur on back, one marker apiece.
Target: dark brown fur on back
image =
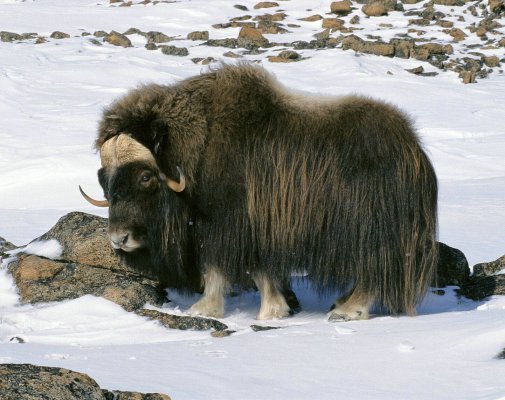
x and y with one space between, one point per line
280 182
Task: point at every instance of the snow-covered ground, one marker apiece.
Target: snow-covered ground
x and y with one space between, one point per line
51 96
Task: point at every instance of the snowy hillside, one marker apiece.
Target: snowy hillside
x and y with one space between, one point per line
52 90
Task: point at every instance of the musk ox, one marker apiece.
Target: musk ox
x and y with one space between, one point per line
228 178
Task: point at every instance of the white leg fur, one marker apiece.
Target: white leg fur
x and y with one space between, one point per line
273 304
352 307
212 302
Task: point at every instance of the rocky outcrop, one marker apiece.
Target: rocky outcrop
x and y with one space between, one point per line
452 269
484 282
31 382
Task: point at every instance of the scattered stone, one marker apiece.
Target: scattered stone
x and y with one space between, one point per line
250 38
183 322
100 34
242 18
270 27
198 35
457 34
312 18
294 26
59 35
496 6
501 42
416 71
450 2
322 35
84 34
31 382
452 268
501 355
222 334
16 339
341 7
277 17
285 56
445 24
157 37
228 42
87 265
260 328
489 268
375 9
241 7
410 1
266 4
117 39
332 23
491 62
174 51
235 24
96 42
6 245
208 60
196 60
359 45
134 31
231 54
354 20
151 46
9 36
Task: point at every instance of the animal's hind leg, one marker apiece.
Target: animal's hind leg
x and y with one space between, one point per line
354 305
212 302
273 303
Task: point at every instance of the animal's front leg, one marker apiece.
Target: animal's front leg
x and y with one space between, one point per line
212 302
273 303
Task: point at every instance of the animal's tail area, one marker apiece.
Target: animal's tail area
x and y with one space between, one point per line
409 255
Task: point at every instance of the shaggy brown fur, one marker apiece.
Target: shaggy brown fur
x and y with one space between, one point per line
278 182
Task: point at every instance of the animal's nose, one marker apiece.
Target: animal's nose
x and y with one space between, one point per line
118 239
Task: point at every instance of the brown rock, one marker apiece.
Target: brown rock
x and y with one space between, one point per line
198 35
87 266
457 34
416 71
266 4
375 9
354 20
501 42
157 37
312 18
332 23
445 24
496 6
118 39
285 56
450 2
341 7
231 54
251 38
277 17
59 35
183 322
491 62
270 27
378 48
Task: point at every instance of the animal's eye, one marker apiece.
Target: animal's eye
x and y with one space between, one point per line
146 177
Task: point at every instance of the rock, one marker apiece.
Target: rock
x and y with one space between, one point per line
174 51
270 27
228 42
341 7
285 56
117 39
250 38
491 62
31 382
480 287
100 34
457 34
260 328
416 71
208 60
403 47
312 18
151 46
277 17
231 54
266 4
375 9
59 35
241 18
134 31
332 23
378 48
87 265
489 268
445 24
354 20
198 35
425 51
221 334
452 268
6 245
501 42
183 322
240 7
157 37
9 36
450 2
501 355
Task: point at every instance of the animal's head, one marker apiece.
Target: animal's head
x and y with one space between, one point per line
137 193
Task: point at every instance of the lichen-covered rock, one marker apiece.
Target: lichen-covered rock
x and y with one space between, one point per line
157 37
250 38
87 265
59 35
31 382
5 245
285 56
371 47
174 51
9 36
332 23
198 35
489 268
266 4
183 322
480 287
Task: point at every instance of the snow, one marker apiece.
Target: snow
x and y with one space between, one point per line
51 98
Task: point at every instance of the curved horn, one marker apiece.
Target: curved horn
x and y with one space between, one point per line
177 186
98 203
